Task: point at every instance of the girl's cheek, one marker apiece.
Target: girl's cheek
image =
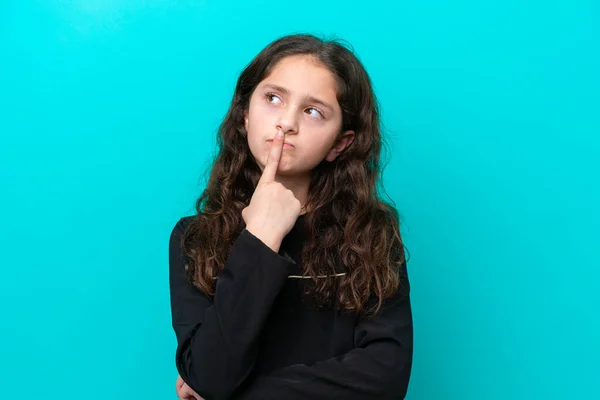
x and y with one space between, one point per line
269 109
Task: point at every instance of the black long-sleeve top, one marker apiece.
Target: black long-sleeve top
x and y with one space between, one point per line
259 337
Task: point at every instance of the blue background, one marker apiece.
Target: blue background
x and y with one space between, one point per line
108 113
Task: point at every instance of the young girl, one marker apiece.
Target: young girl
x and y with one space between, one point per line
291 281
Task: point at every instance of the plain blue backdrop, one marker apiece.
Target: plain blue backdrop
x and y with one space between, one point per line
108 113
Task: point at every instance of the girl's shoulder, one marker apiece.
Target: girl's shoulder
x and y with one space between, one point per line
178 231
182 224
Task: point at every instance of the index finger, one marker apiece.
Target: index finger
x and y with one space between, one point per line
270 169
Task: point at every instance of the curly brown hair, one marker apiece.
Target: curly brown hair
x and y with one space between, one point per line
350 228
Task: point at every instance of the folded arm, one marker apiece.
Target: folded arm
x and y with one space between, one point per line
377 368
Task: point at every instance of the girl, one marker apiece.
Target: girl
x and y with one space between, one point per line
291 281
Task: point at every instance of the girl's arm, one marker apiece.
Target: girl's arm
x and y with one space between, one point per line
377 368
217 338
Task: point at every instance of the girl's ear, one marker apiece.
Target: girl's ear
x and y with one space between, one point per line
246 120
343 142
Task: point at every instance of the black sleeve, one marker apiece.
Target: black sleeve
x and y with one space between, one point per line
217 337
378 367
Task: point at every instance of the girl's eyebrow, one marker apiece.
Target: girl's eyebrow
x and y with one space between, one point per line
309 98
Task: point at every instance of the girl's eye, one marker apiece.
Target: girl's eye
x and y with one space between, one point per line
315 113
272 98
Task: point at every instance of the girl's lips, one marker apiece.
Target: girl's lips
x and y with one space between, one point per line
286 145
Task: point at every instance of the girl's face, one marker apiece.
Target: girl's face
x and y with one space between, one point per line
299 97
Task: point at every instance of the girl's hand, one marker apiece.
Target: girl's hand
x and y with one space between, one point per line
273 209
184 392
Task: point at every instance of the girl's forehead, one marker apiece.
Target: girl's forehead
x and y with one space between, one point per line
302 75
301 66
